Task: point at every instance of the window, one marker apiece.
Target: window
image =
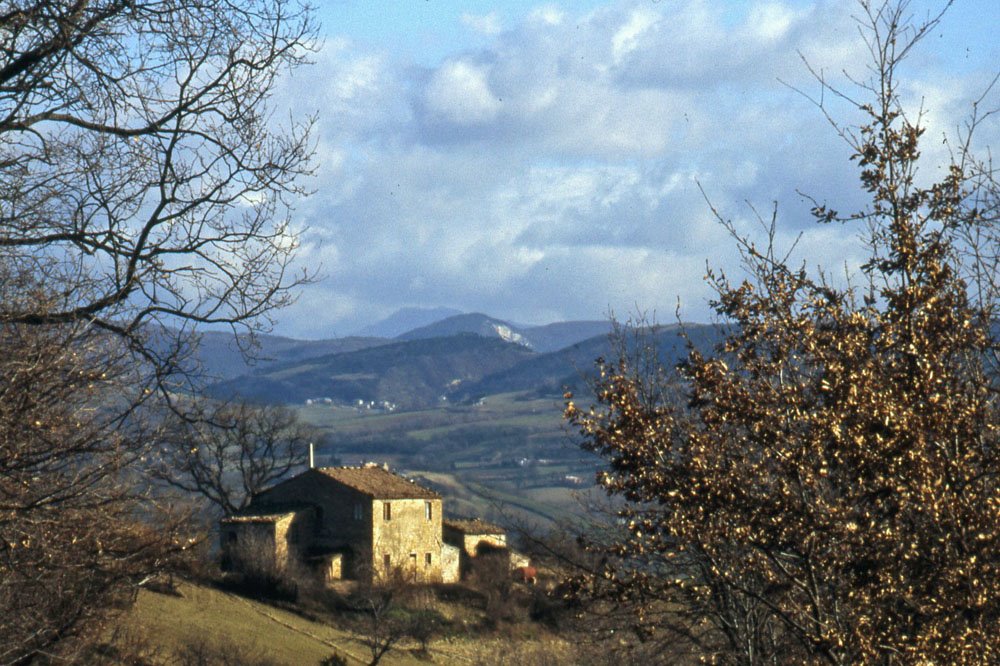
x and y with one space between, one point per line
387 511
387 562
359 512
427 560
428 511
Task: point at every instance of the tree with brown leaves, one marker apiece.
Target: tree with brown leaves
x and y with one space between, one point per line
829 491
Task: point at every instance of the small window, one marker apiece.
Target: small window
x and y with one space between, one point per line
428 511
387 511
387 562
358 511
427 560
232 537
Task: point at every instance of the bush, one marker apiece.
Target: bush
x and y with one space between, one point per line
220 652
335 659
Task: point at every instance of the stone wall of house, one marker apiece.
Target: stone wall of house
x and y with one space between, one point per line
274 543
283 550
451 564
406 538
343 515
519 560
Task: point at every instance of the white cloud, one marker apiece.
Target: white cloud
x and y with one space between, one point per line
554 172
625 40
486 24
771 21
547 15
460 93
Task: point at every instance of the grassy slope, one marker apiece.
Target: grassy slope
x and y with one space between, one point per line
170 623
204 613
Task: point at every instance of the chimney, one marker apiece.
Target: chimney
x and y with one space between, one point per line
312 461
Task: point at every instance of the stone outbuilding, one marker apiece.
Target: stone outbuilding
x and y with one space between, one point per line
477 539
469 535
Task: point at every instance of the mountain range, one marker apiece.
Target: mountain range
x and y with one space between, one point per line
453 357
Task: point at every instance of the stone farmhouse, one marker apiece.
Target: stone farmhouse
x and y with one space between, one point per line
363 523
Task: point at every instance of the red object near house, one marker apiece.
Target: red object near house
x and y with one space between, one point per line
527 575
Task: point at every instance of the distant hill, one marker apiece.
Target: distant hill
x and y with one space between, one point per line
410 374
219 355
553 372
476 323
414 374
547 338
553 337
407 319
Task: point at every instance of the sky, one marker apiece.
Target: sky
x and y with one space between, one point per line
550 161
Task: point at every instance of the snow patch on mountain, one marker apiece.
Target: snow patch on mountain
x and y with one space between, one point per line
508 334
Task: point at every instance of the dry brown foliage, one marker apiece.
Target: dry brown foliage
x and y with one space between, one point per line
829 491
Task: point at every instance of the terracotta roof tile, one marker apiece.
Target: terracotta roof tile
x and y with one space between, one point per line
378 483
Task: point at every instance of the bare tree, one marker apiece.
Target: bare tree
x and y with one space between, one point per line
382 621
144 176
78 532
387 608
234 452
262 567
826 493
145 188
